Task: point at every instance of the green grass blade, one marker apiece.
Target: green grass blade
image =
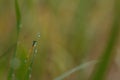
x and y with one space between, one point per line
18 15
11 74
30 61
102 67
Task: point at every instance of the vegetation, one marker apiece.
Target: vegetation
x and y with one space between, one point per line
59 39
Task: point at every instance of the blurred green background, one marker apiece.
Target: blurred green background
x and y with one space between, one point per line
72 32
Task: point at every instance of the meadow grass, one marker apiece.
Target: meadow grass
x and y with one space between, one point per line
22 60
30 60
18 26
56 63
105 59
78 68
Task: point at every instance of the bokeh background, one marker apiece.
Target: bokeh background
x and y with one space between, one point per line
72 32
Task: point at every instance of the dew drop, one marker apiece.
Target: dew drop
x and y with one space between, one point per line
30 75
13 75
36 50
30 68
25 61
15 63
38 35
20 26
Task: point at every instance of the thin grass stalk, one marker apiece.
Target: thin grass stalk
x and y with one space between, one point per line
18 25
78 68
105 59
30 60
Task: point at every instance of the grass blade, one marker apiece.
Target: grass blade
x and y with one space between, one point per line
18 15
30 59
18 25
80 67
101 68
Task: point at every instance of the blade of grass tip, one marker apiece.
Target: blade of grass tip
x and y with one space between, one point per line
101 68
80 67
18 16
30 60
11 74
